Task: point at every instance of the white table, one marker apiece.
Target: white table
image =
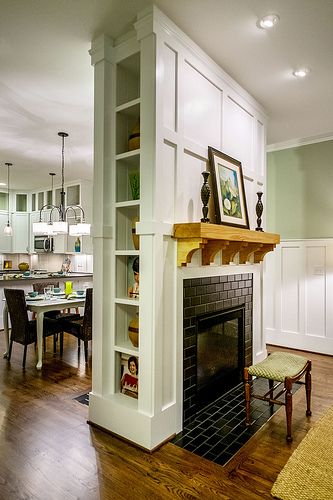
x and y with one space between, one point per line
40 307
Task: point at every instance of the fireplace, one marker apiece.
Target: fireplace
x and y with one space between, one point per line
217 320
220 353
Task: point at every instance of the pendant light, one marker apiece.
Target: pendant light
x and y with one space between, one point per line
8 230
60 226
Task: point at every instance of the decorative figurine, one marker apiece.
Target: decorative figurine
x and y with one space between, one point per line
259 210
205 194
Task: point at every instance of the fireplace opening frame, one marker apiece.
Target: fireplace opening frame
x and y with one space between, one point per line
224 380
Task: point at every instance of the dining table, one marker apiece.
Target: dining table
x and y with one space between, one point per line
40 305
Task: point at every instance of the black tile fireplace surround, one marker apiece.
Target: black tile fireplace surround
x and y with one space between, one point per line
202 297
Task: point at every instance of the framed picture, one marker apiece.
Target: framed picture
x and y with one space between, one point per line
129 375
228 189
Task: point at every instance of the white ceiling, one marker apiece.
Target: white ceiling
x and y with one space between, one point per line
46 80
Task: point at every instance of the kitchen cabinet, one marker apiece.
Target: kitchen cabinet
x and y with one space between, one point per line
20 221
6 242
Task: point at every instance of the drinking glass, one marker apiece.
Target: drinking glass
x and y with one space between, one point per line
48 291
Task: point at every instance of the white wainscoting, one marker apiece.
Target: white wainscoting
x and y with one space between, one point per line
298 297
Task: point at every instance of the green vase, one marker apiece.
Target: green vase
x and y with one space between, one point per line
134 180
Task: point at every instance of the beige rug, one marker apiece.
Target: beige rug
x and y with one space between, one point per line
308 474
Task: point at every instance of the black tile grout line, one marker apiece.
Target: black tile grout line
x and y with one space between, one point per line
218 431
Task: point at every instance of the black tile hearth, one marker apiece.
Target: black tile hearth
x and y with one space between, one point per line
218 431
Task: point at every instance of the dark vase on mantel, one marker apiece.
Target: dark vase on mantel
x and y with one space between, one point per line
205 194
259 211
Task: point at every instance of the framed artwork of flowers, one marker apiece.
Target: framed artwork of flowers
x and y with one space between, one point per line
228 189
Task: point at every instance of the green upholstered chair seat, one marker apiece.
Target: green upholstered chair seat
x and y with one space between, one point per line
278 366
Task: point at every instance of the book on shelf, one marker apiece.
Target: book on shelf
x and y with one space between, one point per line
129 375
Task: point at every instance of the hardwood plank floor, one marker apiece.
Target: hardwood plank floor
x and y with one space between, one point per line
49 452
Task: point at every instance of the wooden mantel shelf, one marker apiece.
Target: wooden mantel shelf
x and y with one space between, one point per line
212 238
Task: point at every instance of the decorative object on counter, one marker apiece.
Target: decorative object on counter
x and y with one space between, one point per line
134 181
7 264
228 189
133 330
259 211
60 226
134 138
66 265
8 230
23 266
205 194
133 277
68 287
77 245
129 375
135 237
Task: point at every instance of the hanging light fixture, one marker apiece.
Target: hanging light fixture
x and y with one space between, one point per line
8 230
60 226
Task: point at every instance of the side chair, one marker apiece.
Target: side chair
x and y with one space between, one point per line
80 328
23 330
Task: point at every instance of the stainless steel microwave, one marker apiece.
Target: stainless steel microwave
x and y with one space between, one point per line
43 244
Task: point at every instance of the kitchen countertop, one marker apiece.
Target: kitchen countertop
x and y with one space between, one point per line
19 276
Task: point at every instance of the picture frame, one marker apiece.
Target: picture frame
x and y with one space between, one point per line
228 189
129 381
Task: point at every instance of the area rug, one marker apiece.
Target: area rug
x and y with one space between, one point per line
308 474
84 399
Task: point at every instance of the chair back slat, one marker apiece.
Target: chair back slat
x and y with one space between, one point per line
39 287
87 317
18 314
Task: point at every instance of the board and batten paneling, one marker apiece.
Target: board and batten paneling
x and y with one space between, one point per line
298 283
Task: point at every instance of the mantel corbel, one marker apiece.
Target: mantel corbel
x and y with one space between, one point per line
212 238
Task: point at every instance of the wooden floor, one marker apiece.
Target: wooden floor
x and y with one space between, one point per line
49 452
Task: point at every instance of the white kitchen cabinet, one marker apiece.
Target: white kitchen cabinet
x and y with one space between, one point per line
20 221
6 242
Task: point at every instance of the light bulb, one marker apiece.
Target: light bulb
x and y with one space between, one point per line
267 22
301 72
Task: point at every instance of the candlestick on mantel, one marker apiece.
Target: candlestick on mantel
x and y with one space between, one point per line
259 211
205 194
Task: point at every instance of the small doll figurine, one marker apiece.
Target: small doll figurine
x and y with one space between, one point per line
133 291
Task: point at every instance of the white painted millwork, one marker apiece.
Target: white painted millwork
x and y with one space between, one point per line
185 103
298 283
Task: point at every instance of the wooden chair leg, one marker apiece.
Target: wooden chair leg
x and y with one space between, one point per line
271 385
54 343
78 344
10 350
289 407
86 351
308 390
61 343
24 355
247 392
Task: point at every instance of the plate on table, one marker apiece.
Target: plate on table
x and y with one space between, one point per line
38 297
58 294
75 296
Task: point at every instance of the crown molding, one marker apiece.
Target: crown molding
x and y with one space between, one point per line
294 143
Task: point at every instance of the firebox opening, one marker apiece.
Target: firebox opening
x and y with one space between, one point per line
220 353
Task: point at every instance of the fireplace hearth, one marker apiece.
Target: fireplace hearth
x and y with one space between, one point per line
217 337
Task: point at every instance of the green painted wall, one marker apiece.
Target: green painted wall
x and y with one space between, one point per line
300 191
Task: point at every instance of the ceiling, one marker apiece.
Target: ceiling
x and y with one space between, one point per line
46 80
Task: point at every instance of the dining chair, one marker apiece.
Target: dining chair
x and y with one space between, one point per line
80 328
23 330
39 287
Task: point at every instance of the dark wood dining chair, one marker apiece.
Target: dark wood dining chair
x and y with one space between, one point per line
39 288
23 330
81 328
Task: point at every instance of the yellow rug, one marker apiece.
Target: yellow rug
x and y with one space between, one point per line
308 474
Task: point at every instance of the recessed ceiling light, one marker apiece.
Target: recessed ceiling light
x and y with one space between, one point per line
269 21
301 72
